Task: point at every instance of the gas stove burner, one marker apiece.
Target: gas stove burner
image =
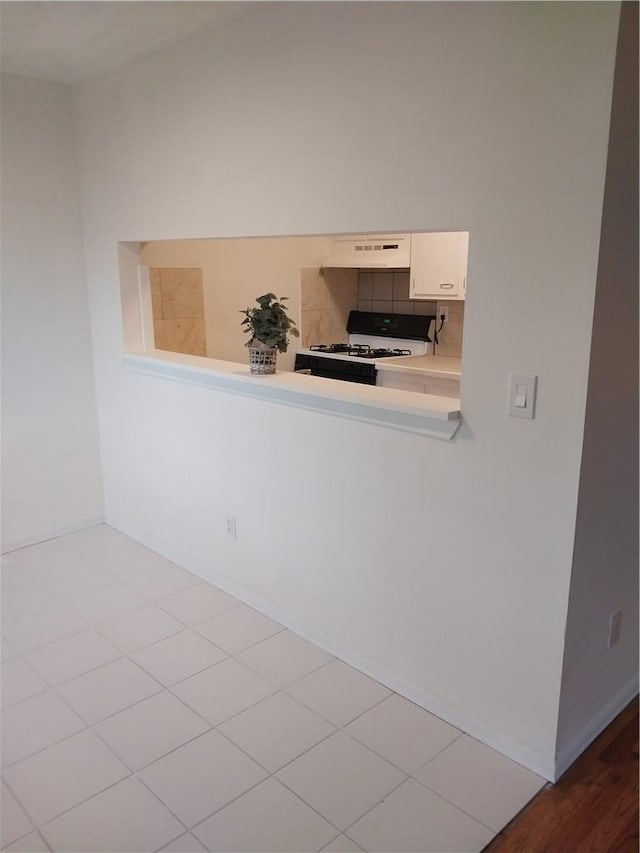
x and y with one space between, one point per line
359 350
330 348
389 353
345 349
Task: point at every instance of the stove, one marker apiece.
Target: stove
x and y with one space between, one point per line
359 350
371 337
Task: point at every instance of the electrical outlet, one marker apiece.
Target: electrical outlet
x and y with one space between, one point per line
615 626
232 529
443 311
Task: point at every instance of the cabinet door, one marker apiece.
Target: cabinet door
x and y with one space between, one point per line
439 265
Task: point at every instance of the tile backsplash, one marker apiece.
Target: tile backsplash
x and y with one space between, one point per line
388 291
328 295
450 338
178 310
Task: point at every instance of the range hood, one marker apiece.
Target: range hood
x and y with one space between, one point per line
371 251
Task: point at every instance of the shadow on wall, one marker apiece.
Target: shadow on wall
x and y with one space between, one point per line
178 310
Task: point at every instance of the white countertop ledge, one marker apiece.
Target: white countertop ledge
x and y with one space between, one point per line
423 414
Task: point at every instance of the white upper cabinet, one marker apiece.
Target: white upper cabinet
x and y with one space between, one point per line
439 265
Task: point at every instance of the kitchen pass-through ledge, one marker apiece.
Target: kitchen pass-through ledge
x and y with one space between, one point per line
424 414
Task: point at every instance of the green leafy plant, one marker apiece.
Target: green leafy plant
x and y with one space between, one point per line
269 323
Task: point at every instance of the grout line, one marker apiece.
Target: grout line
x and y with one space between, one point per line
375 805
169 689
164 754
459 808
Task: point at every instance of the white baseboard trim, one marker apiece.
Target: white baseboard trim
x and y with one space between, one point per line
542 765
597 724
37 536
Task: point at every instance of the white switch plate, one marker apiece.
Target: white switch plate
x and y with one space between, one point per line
522 395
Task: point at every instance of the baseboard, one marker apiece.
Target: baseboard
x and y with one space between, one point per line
594 727
542 765
50 533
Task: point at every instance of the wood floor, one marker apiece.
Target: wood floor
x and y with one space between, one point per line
593 808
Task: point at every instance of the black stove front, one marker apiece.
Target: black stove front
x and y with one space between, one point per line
335 368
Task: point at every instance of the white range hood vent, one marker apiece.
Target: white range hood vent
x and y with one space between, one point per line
370 252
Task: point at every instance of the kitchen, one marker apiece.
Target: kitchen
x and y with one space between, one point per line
383 310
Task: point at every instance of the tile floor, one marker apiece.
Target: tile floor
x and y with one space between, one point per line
145 710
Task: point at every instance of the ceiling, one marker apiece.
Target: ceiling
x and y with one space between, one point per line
67 42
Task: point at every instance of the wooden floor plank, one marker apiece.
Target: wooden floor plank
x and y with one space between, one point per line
593 808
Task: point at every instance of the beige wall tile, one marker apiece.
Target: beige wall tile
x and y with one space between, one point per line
159 334
383 285
185 335
384 306
450 338
326 297
401 285
181 293
364 305
365 284
342 287
314 293
424 306
402 307
310 333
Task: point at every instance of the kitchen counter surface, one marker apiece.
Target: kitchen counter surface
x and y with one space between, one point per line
441 366
421 413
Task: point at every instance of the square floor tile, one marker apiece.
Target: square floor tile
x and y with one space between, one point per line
109 689
126 818
403 733
139 628
127 558
276 730
31 843
79 579
164 579
479 780
178 657
35 724
26 601
26 633
20 681
201 777
13 821
99 605
198 603
338 692
267 818
151 728
237 629
284 658
341 779
223 690
414 819
52 781
187 843
65 659
342 844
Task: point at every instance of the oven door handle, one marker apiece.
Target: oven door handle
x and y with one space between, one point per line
306 370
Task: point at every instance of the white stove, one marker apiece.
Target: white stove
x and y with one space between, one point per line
372 338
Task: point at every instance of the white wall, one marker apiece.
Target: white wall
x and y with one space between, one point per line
50 463
442 567
234 273
605 561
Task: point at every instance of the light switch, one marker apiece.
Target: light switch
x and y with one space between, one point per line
522 395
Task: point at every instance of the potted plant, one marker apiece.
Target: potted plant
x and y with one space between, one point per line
269 328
